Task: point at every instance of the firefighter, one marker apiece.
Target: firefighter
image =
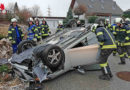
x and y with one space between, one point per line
60 27
107 45
32 30
39 28
127 22
94 27
120 35
107 24
15 34
79 23
127 38
113 26
44 29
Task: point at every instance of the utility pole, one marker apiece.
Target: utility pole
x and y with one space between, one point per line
49 11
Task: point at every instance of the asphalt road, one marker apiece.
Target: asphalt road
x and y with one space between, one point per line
73 80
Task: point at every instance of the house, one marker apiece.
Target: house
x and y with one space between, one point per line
103 8
52 21
127 11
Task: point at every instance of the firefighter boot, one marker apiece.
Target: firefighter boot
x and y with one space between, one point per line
114 53
105 75
109 71
125 56
122 60
80 70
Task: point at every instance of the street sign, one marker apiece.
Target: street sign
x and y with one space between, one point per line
2 9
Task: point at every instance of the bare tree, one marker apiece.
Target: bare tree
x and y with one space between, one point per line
10 7
24 14
36 10
80 10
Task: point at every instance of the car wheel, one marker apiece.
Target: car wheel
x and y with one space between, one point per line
24 45
53 56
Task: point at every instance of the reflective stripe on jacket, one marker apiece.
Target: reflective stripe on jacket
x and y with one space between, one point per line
32 32
45 30
127 38
60 28
12 34
121 35
39 31
105 38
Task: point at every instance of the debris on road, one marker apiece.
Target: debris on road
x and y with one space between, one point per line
5 49
14 84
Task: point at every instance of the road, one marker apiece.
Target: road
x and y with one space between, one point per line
73 80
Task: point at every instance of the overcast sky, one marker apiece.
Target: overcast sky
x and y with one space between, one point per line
58 7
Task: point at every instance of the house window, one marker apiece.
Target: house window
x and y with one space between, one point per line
90 6
102 7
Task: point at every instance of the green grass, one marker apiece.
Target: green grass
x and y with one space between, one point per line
2 36
4 68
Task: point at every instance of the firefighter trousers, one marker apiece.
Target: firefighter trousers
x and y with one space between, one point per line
104 54
127 49
121 50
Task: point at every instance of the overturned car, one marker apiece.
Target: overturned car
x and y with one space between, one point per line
55 55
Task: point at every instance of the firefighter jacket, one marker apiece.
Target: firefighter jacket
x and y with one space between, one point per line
127 37
32 33
112 28
108 26
121 34
105 38
45 30
13 34
59 28
38 27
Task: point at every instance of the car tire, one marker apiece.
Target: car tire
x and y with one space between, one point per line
53 56
24 45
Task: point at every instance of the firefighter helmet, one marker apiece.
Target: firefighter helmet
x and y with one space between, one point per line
30 19
14 20
118 20
127 19
100 21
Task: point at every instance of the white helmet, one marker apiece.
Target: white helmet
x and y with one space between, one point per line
127 19
30 19
78 21
60 22
94 27
14 20
107 20
100 21
43 19
36 19
118 20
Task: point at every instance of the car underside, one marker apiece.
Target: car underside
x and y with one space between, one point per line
55 55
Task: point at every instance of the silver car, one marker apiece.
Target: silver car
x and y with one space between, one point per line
55 55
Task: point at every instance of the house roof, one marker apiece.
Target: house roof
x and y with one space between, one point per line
127 10
100 6
49 17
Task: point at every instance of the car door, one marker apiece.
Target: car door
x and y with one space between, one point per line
85 55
